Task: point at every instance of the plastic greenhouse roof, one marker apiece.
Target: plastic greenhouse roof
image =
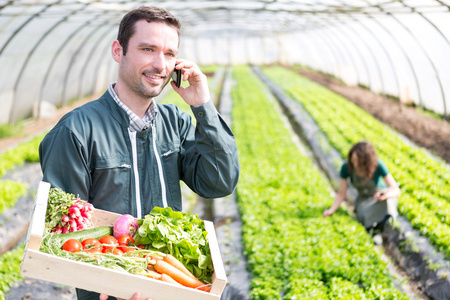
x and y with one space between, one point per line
58 51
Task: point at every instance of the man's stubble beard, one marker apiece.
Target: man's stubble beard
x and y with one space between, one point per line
145 92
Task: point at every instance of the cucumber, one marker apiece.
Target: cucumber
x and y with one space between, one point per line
96 233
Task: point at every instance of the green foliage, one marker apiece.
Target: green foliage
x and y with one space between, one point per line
10 192
304 288
180 234
6 130
10 269
24 152
293 251
425 200
210 69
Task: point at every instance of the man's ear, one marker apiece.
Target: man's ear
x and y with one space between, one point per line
116 51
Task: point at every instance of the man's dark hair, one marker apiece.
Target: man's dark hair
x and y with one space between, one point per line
148 13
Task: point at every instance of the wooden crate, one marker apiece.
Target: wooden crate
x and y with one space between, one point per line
39 265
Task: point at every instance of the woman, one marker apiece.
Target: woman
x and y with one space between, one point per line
377 189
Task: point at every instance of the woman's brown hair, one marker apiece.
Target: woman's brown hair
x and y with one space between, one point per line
367 158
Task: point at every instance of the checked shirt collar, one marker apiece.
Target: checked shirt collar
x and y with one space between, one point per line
136 123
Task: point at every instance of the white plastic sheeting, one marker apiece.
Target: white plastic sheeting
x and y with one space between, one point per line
55 52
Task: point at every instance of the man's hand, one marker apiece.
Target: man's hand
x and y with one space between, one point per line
136 296
197 93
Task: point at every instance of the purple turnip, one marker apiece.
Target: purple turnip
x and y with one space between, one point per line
125 224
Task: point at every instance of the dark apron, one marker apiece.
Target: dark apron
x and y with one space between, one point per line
369 211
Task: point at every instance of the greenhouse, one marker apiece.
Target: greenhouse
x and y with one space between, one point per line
294 86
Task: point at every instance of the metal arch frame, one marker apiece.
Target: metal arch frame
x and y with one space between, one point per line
331 48
28 57
312 47
18 29
358 76
402 50
376 39
325 25
89 57
343 50
7 4
373 55
8 41
366 46
72 61
97 68
55 57
305 48
426 55
445 39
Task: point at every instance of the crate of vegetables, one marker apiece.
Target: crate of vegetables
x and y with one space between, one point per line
165 255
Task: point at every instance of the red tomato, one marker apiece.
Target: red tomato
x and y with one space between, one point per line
91 243
107 240
93 250
112 250
72 245
126 249
125 240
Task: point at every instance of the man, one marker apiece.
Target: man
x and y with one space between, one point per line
124 152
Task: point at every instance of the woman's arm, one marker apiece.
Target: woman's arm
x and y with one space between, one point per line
343 185
392 191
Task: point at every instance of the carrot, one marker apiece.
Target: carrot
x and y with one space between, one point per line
165 268
167 278
178 264
153 274
151 267
205 287
156 257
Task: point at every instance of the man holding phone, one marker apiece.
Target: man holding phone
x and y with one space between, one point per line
126 153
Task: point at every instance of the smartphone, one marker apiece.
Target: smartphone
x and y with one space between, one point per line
176 77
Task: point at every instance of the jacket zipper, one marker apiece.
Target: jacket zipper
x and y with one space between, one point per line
136 174
114 167
158 161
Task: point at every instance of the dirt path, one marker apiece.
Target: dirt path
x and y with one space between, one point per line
33 127
421 129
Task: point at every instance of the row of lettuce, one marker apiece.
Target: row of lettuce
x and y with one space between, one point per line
293 252
10 192
425 200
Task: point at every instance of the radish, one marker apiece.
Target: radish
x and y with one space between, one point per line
125 224
67 212
65 218
73 223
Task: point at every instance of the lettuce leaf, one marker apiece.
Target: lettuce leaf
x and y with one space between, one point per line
182 235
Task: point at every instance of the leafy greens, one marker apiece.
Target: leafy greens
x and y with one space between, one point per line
181 234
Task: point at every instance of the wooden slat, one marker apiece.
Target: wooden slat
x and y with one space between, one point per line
102 280
37 220
219 280
52 268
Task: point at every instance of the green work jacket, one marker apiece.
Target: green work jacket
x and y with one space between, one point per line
91 153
